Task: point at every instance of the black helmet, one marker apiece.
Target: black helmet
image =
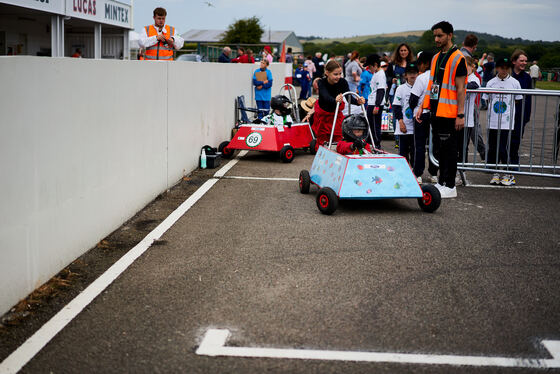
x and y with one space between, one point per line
354 122
282 103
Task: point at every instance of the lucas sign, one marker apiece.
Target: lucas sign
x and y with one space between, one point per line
102 11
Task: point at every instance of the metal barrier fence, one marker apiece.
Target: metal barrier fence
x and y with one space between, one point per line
519 132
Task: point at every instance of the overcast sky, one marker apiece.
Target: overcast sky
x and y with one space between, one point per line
534 20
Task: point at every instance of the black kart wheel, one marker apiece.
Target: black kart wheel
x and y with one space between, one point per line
327 201
226 152
304 181
431 198
312 146
287 153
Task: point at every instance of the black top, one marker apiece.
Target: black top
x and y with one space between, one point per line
319 66
223 58
526 83
328 93
441 62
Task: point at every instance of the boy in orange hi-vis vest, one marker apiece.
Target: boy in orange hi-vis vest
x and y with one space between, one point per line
160 40
445 98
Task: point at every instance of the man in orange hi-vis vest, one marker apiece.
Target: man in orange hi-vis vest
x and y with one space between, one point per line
445 98
159 40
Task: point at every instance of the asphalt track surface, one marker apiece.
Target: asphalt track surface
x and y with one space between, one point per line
481 276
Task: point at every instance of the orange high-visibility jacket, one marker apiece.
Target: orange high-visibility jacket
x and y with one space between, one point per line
159 51
447 103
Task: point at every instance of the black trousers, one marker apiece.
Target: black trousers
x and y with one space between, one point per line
375 124
421 136
444 130
406 147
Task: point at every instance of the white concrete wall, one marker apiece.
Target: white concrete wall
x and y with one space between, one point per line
85 144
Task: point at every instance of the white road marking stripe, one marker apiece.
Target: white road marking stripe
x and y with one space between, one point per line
220 173
215 339
262 178
25 352
513 187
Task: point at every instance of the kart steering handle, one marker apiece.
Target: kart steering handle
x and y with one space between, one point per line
349 103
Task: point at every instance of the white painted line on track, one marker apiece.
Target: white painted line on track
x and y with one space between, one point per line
25 352
514 187
220 173
262 178
213 344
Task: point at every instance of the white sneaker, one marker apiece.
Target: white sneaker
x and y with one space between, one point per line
448 193
495 179
419 179
433 179
508 180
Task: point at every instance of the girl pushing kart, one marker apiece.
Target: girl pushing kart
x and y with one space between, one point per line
331 88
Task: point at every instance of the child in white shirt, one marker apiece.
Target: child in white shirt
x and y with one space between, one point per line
404 114
471 112
376 98
501 115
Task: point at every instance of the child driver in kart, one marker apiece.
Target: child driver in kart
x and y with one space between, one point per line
354 134
281 108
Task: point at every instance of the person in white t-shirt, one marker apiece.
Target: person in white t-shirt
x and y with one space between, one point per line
422 129
535 73
501 115
376 98
471 111
404 114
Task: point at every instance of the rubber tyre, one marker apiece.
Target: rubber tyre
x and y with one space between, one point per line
304 181
431 199
226 152
287 153
327 201
312 146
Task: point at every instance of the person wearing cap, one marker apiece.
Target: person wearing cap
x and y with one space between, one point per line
159 40
376 98
445 99
267 54
501 119
404 114
304 78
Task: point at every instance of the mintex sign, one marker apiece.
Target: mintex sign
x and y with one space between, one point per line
51 6
102 11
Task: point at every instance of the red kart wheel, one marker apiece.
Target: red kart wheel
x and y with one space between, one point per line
427 198
287 153
431 198
327 201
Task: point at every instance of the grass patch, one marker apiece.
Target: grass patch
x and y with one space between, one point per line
548 85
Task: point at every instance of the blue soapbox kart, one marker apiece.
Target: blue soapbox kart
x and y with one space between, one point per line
370 176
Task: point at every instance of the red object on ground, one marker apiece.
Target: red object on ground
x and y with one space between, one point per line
258 137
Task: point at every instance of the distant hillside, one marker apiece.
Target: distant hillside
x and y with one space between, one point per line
413 36
362 38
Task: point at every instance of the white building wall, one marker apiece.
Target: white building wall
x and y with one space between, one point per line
88 143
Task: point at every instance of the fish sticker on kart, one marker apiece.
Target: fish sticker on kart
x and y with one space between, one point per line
376 179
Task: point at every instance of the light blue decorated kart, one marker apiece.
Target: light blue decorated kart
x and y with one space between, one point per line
370 176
